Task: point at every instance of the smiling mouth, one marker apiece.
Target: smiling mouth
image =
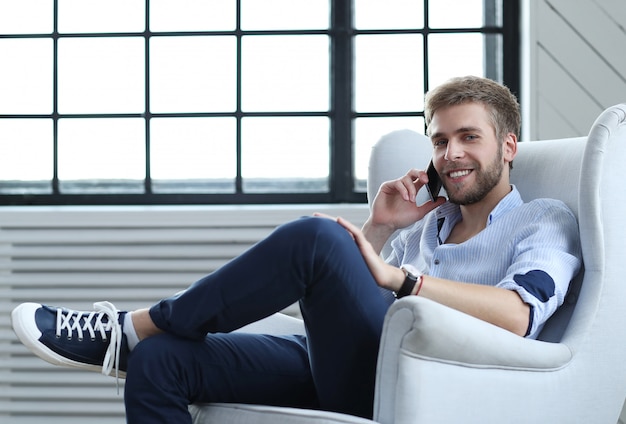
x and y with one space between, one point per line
459 173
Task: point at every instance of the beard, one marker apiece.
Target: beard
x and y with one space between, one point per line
486 180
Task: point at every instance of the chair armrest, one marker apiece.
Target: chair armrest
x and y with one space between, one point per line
427 348
447 335
277 324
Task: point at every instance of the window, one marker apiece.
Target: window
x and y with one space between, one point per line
225 101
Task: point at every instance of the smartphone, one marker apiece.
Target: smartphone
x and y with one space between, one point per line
434 182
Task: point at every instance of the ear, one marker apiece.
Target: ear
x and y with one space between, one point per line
509 147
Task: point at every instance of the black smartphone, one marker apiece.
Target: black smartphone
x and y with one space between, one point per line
434 182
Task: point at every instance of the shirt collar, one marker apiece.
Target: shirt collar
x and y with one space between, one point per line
508 202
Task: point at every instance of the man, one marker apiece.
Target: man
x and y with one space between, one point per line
483 252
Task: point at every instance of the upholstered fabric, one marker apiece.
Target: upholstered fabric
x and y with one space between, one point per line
277 325
390 158
439 365
223 413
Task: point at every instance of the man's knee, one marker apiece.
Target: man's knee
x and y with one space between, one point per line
312 229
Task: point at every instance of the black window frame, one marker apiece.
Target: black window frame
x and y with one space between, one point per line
341 112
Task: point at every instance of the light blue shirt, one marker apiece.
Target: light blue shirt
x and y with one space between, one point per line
532 248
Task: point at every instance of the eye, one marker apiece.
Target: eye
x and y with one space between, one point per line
470 137
440 142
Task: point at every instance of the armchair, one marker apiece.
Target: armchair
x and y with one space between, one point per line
439 365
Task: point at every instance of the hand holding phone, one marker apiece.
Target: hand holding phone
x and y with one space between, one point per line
434 182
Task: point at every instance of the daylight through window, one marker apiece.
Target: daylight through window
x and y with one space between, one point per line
225 101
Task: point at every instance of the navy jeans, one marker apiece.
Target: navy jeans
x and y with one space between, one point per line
310 260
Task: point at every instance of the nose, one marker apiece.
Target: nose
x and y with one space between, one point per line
454 151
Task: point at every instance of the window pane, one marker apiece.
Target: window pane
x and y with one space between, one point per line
285 73
367 131
389 14
200 153
456 13
102 155
284 14
193 74
25 155
280 69
101 16
26 17
26 76
453 55
192 15
101 75
285 154
389 73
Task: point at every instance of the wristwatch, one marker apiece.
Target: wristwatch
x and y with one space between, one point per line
408 285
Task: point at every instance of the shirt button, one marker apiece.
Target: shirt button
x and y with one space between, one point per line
437 261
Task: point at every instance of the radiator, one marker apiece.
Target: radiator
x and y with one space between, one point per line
131 256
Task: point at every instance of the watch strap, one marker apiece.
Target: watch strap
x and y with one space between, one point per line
408 285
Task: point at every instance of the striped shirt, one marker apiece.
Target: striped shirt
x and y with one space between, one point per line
532 248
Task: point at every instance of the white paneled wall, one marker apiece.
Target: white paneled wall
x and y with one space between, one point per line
132 256
574 64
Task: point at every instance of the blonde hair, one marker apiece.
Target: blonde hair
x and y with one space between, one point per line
502 105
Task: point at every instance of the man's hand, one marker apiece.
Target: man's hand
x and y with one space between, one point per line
394 204
394 207
386 275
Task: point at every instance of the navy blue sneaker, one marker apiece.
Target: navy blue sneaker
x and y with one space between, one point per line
88 340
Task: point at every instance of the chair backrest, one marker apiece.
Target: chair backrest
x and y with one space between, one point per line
553 169
588 174
392 156
585 172
599 316
580 172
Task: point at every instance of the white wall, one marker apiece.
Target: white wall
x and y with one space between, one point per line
573 64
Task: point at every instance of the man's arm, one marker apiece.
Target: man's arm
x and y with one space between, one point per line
377 235
498 306
394 207
501 307
545 259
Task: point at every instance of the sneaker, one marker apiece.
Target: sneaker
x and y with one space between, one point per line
87 340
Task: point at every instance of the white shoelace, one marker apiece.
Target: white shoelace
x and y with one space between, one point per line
92 324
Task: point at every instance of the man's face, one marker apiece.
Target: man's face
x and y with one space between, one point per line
467 155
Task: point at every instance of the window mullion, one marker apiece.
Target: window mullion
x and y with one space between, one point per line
492 54
341 179
511 46
55 100
148 112
238 113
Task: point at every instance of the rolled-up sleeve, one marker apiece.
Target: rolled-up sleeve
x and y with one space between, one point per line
545 258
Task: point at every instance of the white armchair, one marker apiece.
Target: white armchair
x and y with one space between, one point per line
438 365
